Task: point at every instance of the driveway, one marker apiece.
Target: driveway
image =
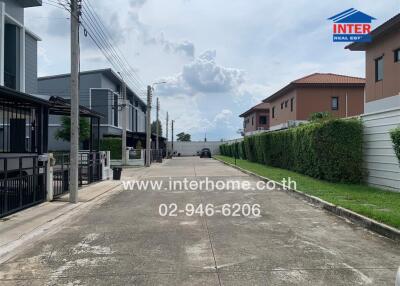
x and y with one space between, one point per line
125 241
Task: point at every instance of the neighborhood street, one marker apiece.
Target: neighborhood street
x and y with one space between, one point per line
125 241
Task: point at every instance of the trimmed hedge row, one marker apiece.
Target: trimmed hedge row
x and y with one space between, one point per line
329 150
114 145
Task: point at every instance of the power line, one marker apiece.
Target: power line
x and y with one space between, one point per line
95 29
131 70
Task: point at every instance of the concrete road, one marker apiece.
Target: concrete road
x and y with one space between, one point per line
124 241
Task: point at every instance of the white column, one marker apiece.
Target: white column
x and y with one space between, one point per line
49 177
2 22
22 60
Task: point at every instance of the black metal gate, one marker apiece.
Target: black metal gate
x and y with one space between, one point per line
22 183
60 174
89 171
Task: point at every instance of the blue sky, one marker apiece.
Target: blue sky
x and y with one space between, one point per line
219 57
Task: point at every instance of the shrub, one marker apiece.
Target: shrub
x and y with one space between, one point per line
114 145
329 149
395 134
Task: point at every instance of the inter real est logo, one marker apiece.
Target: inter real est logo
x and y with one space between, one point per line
351 26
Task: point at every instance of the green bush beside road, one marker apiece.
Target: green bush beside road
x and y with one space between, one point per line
114 145
330 150
381 205
395 134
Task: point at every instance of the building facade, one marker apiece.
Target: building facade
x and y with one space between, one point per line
18 47
342 96
382 66
382 104
100 90
256 119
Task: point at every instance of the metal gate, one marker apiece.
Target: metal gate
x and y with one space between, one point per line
60 174
89 171
22 183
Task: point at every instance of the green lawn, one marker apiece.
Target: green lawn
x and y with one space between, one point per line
383 206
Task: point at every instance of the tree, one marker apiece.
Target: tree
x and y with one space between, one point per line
154 127
138 145
64 132
184 137
320 116
395 135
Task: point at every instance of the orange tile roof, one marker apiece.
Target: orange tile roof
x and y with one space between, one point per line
329 78
260 106
319 79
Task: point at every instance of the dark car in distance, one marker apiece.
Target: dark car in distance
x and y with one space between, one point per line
205 153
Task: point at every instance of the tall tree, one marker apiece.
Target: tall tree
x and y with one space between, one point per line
184 137
154 127
64 132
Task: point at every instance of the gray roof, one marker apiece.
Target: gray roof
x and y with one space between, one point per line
108 72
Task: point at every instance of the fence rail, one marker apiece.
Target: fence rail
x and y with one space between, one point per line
22 183
89 171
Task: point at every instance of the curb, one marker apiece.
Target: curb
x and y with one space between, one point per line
368 223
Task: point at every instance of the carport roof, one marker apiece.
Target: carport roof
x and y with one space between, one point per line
62 106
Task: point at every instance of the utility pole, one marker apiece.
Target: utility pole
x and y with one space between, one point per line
172 137
75 55
166 133
157 126
148 126
124 122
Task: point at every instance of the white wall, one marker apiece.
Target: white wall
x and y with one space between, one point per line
191 148
380 161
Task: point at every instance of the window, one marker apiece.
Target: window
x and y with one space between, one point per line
282 105
397 56
273 112
263 119
286 103
335 103
252 120
379 69
291 104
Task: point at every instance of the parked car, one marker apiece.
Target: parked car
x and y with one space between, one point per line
205 153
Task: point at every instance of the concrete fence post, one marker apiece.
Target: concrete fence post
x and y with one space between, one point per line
49 177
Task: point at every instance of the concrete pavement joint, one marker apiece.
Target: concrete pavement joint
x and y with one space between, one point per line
209 235
373 225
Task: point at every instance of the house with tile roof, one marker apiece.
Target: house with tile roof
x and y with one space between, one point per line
256 119
340 95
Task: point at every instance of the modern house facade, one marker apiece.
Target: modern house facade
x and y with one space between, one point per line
18 47
100 90
382 66
342 96
382 103
256 119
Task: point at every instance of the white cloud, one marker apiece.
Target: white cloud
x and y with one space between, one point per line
204 75
224 117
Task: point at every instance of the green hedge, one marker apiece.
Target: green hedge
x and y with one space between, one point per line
114 145
329 150
395 134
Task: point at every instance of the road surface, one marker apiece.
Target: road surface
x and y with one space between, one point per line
125 241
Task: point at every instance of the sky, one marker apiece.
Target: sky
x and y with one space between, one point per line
218 57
